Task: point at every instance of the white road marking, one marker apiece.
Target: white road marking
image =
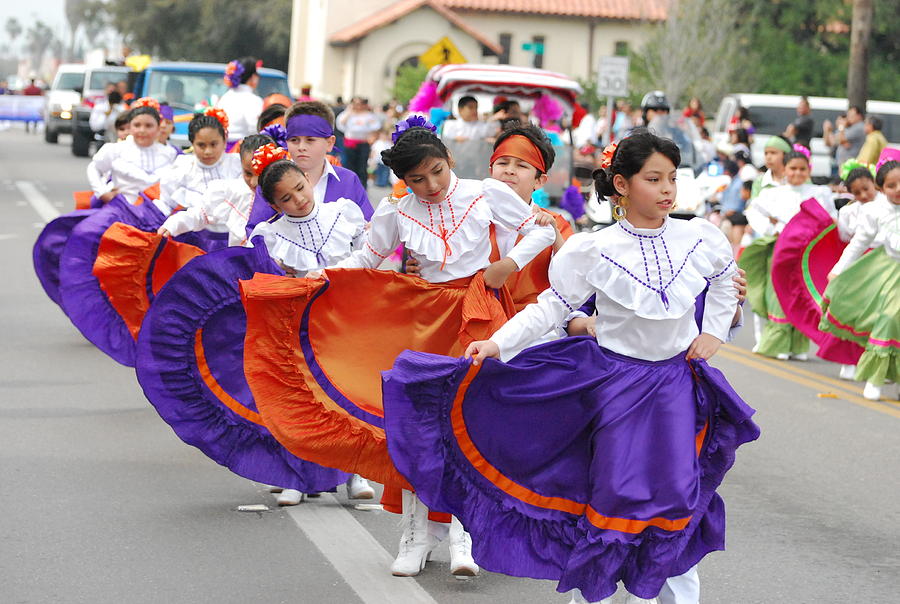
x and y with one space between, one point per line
37 200
355 553
8 236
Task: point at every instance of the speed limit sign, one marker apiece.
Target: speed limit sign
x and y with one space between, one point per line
612 76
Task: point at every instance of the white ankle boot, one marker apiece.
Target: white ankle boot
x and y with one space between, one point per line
416 542
289 497
359 488
461 562
577 598
848 372
632 599
872 392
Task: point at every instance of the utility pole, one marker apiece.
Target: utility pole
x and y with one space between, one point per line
858 71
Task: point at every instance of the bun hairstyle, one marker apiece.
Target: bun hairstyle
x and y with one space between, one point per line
532 133
883 171
272 175
411 148
251 143
205 120
630 156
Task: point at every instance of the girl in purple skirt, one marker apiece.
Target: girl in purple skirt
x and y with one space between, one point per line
591 461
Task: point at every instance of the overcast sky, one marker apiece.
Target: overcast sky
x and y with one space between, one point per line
51 12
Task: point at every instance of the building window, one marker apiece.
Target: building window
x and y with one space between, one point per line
537 47
505 44
621 48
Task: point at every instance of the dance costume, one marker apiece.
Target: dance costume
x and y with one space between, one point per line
128 167
577 463
225 208
862 304
243 106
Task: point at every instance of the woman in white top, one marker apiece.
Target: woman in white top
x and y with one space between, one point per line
128 167
240 101
586 463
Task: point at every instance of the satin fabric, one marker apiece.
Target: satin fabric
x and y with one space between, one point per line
49 247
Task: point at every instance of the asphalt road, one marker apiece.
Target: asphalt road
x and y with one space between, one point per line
101 502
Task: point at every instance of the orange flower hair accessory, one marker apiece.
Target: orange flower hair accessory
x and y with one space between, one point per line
219 114
267 155
607 156
147 101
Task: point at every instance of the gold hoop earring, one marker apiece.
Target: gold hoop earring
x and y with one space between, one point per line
619 212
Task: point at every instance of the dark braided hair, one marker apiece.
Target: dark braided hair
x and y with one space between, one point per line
413 147
273 174
249 65
270 113
883 171
144 110
630 157
252 142
535 135
201 121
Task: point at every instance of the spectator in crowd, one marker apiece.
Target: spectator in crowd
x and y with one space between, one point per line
740 140
874 143
829 138
850 138
746 169
104 113
741 119
32 90
800 130
468 127
376 164
359 124
623 121
694 111
506 111
707 146
732 202
4 87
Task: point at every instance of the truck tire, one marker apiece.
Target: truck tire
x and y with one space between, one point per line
50 135
81 145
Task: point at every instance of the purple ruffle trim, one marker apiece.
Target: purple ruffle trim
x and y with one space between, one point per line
204 295
563 394
48 249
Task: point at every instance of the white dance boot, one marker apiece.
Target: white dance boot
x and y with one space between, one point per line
417 541
289 497
872 392
577 598
461 562
359 488
848 372
758 325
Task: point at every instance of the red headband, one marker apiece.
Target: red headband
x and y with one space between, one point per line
520 147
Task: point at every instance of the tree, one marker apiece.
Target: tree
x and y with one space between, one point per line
858 71
700 50
74 10
206 30
406 84
38 40
13 29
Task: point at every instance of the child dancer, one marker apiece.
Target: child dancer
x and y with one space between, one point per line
767 216
775 150
309 137
859 180
128 167
862 303
167 126
226 203
184 184
626 444
307 236
240 102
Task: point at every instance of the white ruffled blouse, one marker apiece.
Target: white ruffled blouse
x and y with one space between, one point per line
325 236
783 203
450 238
225 208
185 182
848 218
878 225
129 167
645 281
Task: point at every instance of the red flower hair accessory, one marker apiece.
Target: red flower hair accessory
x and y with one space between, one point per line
147 101
219 114
607 156
267 155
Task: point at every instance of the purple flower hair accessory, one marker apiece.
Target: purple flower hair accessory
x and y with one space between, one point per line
277 133
233 73
414 121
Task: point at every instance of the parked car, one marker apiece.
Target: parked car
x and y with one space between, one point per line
64 95
771 113
93 90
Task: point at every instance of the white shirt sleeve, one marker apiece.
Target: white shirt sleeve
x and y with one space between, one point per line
97 120
98 171
192 219
354 216
758 215
379 241
846 220
721 298
569 289
866 231
511 212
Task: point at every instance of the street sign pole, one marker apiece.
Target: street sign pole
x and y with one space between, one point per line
612 81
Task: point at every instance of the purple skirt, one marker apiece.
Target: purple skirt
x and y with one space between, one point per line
48 249
571 462
190 363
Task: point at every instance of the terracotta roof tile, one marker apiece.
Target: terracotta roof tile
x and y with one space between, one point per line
653 10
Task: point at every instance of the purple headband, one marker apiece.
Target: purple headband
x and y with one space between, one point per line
308 125
166 112
887 154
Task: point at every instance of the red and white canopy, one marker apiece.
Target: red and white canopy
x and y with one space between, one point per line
526 82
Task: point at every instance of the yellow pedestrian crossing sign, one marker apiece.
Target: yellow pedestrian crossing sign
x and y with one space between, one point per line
442 53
